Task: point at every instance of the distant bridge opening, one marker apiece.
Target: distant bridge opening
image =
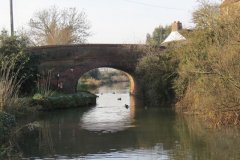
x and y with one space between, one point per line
95 78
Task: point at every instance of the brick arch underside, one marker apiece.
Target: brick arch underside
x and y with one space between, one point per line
66 80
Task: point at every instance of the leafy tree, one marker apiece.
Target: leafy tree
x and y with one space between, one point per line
158 36
54 27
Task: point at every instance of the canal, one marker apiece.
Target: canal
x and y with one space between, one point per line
120 127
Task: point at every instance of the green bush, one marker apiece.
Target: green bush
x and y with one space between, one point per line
161 70
14 49
62 101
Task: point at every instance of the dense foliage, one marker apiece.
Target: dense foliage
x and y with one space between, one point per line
207 78
157 72
210 68
13 50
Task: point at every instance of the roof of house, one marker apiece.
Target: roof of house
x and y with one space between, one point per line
174 36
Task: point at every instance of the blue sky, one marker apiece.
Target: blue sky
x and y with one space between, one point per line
112 21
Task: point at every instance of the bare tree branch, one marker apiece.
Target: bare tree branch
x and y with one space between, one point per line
53 26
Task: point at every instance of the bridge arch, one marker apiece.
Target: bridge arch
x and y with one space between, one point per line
67 80
131 79
69 62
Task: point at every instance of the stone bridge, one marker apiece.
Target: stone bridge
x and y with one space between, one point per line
68 63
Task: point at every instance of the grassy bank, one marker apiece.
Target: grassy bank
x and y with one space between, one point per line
86 84
65 101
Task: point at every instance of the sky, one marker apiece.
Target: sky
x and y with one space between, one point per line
112 21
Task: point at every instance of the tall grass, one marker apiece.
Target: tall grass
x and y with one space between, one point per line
9 83
43 85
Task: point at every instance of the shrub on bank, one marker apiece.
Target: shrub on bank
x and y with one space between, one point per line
160 70
67 101
17 73
210 69
19 61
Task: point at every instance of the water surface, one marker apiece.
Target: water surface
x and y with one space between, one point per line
124 129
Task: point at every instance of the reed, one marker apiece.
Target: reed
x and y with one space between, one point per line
9 83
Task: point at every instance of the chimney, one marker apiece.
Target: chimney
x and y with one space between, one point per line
176 26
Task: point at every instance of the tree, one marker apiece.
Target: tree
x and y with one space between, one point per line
54 27
95 74
207 15
159 35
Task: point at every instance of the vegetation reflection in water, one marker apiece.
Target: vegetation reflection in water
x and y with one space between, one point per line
111 131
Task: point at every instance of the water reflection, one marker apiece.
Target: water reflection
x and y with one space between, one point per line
197 141
113 111
111 131
110 114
